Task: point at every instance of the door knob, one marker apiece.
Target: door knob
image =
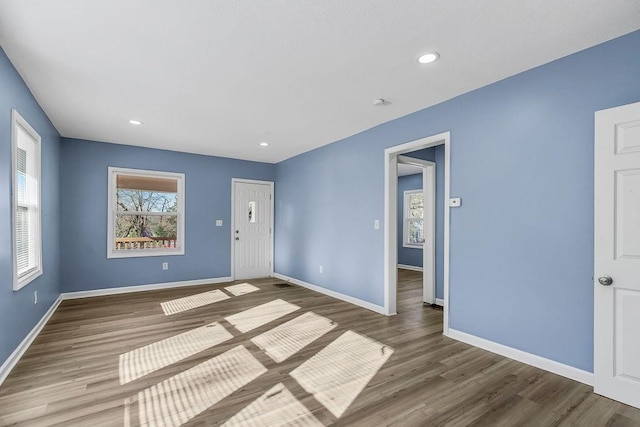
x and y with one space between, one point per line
237 238
605 280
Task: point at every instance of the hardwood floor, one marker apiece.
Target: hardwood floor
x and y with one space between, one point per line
72 374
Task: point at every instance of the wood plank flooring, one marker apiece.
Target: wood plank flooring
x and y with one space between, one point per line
70 375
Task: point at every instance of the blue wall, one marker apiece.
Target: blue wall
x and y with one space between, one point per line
407 255
325 206
84 215
18 314
521 255
435 154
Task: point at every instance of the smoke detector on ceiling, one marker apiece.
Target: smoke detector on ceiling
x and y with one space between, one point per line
380 102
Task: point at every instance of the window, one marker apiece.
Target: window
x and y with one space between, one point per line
146 213
413 219
27 234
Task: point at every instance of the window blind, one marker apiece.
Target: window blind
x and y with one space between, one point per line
27 227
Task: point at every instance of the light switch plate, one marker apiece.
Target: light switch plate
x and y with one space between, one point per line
218 223
455 202
376 224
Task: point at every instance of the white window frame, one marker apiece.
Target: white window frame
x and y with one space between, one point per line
405 218
112 211
22 280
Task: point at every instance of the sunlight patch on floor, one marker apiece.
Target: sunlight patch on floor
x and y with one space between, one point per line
338 373
194 301
255 317
144 360
276 407
182 397
285 340
241 289
335 376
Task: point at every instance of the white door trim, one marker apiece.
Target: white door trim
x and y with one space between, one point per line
429 247
391 218
271 184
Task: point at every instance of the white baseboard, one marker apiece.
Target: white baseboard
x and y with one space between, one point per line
13 359
333 294
141 288
524 357
410 267
440 302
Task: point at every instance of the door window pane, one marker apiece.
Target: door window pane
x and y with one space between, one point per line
252 211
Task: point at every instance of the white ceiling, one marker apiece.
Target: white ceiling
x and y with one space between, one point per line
218 77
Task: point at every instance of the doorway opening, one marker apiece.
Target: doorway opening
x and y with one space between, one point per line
417 219
394 156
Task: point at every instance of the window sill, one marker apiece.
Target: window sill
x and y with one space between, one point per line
409 245
21 282
141 253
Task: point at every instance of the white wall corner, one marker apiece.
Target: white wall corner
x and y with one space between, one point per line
14 357
549 365
337 295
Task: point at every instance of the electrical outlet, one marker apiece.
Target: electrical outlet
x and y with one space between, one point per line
35 297
218 223
165 265
321 270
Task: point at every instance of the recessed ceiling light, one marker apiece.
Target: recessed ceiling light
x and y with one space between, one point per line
264 144
135 122
428 58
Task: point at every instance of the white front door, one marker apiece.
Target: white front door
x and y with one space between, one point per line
617 254
252 229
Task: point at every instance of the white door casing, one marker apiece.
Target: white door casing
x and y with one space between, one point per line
617 254
391 219
252 226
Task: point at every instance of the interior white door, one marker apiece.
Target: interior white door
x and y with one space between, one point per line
429 227
617 254
252 230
